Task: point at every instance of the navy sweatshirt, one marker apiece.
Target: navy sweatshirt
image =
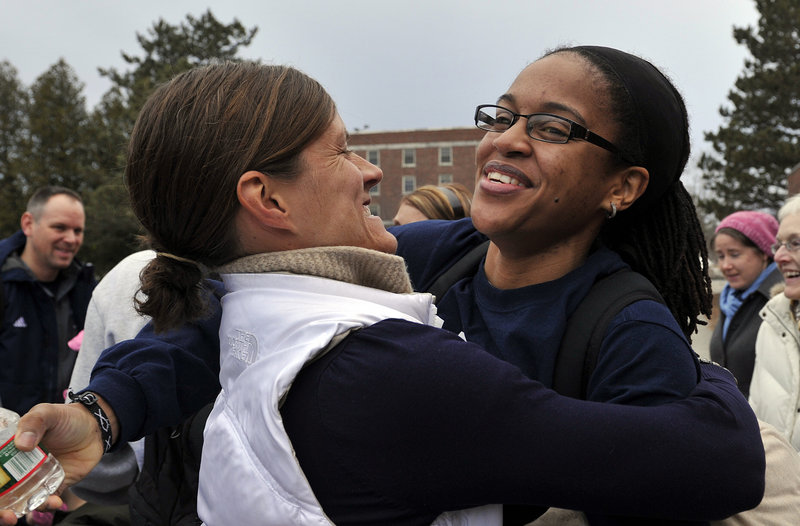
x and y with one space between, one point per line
644 359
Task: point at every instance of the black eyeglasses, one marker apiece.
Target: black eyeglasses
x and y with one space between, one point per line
544 127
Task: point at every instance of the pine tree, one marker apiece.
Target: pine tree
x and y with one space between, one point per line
56 149
167 50
13 124
757 146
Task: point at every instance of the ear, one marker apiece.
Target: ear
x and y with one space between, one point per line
629 185
261 202
26 223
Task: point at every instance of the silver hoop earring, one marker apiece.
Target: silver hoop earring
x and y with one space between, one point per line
613 212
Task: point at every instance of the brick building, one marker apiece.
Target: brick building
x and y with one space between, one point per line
413 158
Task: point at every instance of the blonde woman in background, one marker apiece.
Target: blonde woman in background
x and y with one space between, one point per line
449 201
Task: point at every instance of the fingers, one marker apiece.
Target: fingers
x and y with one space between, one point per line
33 425
7 517
53 503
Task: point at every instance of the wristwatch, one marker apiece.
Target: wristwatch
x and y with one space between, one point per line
89 399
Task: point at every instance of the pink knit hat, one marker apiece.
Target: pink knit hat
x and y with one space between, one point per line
759 227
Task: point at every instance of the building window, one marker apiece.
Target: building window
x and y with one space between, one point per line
409 157
373 156
446 155
375 209
375 190
409 183
445 179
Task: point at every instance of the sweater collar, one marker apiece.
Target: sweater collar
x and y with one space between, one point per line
355 265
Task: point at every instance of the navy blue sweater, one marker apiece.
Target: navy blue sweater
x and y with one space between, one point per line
644 359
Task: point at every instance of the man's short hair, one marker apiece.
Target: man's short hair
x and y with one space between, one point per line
41 196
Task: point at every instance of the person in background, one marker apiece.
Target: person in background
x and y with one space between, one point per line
44 296
354 416
743 243
46 291
111 317
449 201
775 386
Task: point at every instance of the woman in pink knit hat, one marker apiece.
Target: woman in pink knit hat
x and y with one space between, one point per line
742 243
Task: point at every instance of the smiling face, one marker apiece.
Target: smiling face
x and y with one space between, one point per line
331 198
54 237
740 264
537 196
789 262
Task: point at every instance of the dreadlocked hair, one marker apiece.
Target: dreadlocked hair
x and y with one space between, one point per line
661 239
666 245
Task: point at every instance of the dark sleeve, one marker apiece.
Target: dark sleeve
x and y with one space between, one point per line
431 247
440 423
157 380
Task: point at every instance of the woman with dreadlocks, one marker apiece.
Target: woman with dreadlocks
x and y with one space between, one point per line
578 176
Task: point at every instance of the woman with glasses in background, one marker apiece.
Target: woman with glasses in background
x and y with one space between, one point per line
775 387
743 243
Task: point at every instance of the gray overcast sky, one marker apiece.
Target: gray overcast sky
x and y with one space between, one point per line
399 64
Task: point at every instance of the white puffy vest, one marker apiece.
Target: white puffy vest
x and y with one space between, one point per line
272 325
775 388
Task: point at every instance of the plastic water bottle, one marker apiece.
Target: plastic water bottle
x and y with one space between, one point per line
27 478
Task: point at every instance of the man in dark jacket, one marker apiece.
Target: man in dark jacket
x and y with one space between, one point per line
45 295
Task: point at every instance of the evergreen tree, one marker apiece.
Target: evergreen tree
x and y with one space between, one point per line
13 125
758 145
56 148
167 50
111 228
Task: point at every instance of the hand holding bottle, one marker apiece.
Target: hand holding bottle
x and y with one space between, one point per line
70 433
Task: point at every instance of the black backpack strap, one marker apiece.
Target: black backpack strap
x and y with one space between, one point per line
586 328
468 264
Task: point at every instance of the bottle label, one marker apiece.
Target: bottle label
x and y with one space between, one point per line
16 465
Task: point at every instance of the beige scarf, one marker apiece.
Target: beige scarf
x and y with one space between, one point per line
359 266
